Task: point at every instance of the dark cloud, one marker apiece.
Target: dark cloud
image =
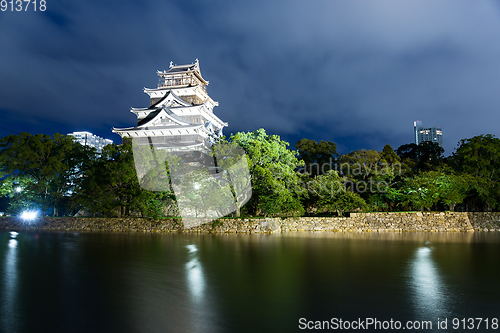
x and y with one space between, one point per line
354 72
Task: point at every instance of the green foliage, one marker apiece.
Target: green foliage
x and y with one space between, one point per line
20 197
431 187
56 174
273 173
385 181
47 164
111 188
453 188
422 191
317 156
389 156
209 195
153 204
360 164
479 157
330 195
232 162
423 157
374 175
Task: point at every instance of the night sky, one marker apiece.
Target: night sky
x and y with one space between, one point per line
357 73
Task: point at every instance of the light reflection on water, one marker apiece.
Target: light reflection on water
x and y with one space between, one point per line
194 273
203 318
239 283
429 291
10 285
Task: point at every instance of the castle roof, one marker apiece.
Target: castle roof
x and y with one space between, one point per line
171 115
169 97
183 69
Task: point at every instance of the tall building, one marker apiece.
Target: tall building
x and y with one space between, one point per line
89 139
180 117
422 134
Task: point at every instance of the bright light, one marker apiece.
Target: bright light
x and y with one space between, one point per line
196 186
18 189
29 215
192 248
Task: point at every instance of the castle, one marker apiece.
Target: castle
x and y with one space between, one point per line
180 117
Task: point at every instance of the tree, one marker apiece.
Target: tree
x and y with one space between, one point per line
422 191
49 163
111 188
389 156
453 188
431 187
329 194
386 180
374 175
408 151
480 158
273 173
360 164
18 194
233 172
317 156
425 156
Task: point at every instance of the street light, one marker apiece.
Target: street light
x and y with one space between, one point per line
29 215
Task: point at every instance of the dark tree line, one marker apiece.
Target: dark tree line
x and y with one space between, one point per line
58 176
418 177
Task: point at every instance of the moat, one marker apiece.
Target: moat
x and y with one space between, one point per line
122 282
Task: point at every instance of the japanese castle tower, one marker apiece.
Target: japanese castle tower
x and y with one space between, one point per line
180 117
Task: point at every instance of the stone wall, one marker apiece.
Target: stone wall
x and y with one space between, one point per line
414 221
357 222
484 221
91 224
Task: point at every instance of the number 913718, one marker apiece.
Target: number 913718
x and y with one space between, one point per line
23 5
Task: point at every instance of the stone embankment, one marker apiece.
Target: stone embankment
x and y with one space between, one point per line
357 222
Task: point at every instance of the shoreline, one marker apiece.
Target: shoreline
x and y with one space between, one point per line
357 222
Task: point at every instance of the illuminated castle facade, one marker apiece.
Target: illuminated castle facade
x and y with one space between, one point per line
180 116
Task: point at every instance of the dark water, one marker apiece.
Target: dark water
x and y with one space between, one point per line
55 282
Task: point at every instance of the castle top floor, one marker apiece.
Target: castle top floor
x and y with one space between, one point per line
178 76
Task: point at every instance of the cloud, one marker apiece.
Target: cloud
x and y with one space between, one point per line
327 70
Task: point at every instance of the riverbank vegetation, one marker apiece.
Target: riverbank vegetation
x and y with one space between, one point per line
60 177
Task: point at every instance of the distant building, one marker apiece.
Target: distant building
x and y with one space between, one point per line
89 139
423 134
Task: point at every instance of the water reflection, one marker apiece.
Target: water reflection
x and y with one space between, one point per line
10 288
203 314
12 243
434 237
240 283
195 279
428 288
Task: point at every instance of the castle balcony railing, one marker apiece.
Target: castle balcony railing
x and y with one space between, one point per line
180 82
